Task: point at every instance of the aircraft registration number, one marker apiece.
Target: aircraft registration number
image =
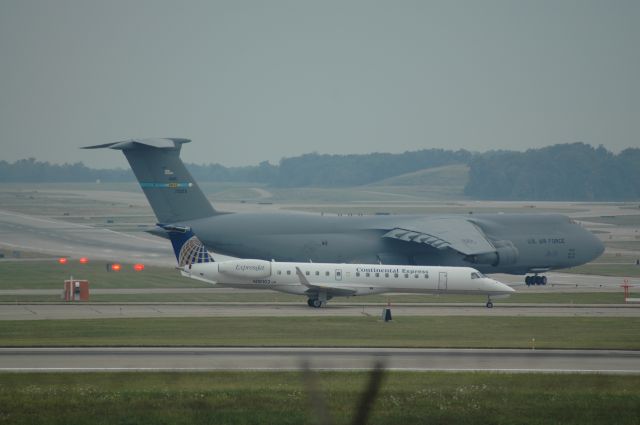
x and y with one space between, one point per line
263 281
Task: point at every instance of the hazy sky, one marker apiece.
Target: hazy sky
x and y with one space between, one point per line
255 80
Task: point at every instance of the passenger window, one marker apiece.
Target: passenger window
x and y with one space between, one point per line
406 275
357 274
288 271
416 276
377 274
317 273
386 275
426 276
279 271
367 275
395 275
326 273
307 272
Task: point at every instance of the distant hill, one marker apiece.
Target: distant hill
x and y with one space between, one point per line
455 175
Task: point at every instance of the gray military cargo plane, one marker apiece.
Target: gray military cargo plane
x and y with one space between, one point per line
491 243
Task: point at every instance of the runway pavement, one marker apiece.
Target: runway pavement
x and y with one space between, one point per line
286 309
291 358
55 237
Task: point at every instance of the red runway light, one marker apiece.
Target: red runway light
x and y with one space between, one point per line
62 260
84 260
116 267
138 267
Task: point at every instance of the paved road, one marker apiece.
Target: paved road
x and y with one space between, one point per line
289 358
285 309
40 234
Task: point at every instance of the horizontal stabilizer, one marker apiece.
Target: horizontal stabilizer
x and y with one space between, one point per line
163 143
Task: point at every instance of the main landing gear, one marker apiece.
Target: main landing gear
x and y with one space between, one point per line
535 280
316 303
318 300
489 303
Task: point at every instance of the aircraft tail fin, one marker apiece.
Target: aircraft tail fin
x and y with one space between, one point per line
166 182
186 246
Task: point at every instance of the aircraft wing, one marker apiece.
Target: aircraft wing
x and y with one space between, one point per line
332 288
446 232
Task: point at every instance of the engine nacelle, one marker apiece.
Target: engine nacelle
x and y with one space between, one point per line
505 254
245 268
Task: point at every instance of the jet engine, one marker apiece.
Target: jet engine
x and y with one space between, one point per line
506 253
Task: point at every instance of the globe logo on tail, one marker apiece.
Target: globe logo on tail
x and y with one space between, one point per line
193 251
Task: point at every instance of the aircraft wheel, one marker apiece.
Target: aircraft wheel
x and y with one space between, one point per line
543 280
310 302
317 303
528 280
489 304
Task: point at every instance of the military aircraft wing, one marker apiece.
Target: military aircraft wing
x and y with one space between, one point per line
443 232
332 288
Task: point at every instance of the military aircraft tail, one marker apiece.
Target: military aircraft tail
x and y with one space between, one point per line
186 246
166 182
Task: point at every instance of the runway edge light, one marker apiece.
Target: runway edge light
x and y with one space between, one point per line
84 260
63 260
138 267
116 267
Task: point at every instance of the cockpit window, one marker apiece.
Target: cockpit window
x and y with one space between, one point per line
475 275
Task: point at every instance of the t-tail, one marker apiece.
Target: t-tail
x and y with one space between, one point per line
169 187
186 246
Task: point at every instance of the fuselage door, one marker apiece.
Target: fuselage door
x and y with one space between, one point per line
442 281
338 274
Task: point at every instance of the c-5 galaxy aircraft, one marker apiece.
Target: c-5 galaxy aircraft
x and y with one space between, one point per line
491 243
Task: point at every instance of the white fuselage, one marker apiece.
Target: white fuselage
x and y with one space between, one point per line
353 279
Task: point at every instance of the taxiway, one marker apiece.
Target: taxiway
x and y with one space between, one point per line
291 358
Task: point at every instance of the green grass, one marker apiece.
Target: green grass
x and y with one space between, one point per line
51 275
439 331
282 398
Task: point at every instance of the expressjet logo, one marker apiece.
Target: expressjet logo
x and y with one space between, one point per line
249 267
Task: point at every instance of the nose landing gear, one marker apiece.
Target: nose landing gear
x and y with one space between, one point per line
535 280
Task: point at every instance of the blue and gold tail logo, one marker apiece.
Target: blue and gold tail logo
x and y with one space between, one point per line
193 252
186 246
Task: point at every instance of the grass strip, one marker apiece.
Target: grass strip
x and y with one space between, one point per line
51 275
282 398
437 331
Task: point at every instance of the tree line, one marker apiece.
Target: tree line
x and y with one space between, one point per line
574 172
567 172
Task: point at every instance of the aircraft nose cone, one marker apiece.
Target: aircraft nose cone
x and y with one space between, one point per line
501 287
507 288
599 248
596 244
